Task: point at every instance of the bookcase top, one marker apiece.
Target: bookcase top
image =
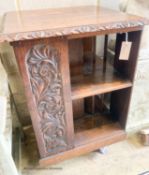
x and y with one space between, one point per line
72 21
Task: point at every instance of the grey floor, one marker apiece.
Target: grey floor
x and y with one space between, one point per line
128 157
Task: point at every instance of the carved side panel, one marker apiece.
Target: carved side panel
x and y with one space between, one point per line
42 63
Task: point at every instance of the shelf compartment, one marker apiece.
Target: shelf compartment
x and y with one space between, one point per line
95 127
91 121
98 82
105 134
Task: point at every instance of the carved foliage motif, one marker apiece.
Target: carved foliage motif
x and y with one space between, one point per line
42 62
70 31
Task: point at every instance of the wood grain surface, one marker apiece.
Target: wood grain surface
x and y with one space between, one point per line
24 25
98 82
49 42
44 68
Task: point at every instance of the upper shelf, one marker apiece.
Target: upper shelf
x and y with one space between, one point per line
98 82
85 86
72 21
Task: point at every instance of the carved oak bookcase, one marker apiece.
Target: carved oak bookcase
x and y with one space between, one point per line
78 102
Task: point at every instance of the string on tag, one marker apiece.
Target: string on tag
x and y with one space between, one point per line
126 37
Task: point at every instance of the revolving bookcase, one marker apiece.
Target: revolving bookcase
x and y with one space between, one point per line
78 100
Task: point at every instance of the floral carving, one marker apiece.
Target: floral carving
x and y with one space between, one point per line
71 30
42 62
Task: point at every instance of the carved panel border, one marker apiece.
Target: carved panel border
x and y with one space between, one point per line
70 31
42 62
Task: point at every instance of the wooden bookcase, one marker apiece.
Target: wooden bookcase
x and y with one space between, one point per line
78 102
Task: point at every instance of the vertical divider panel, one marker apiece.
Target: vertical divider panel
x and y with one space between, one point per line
44 67
76 68
89 48
120 99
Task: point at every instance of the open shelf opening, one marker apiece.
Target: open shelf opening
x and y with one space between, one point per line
101 86
97 81
94 73
95 116
93 112
94 119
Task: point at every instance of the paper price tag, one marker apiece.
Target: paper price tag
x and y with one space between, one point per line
125 50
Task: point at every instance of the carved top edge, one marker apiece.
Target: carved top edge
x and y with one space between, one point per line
72 30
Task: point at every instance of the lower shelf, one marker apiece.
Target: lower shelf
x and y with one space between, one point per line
89 140
106 133
91 121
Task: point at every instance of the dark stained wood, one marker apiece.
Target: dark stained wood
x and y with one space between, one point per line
26 25
105 53
76 56
127 68
101 137
89 48
78 108
45 71
120 100
101 132
76 67
89 44
60 100
104 32
101 104
89 103
91 121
